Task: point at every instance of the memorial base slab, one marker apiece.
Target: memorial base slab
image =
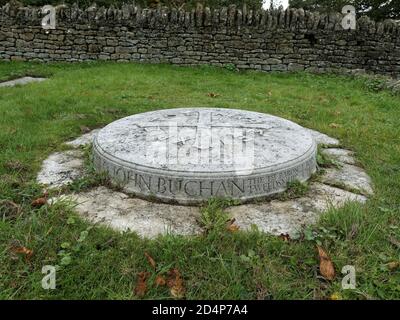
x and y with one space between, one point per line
149 219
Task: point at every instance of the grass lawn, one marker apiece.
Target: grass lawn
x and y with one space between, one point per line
37 118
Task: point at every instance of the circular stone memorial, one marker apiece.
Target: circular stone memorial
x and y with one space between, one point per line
189 155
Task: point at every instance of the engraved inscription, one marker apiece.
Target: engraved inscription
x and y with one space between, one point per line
190 155
235 187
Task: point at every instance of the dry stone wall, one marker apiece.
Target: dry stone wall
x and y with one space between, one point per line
288 40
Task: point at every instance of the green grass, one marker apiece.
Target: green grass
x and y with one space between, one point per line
37 118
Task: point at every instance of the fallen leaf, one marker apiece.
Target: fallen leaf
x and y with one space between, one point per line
231 226
334 125
141 285
393 265
213 95
175 283
39 202
326 267
172 277
22 250
177 291
150 260
160 281
285 237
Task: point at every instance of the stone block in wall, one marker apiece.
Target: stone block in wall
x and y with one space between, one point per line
284 49
108 50
123 50
273 61
93 48
125 56
27 36
79 40
295 67
112 42
177 60
17 58
279 67
7 44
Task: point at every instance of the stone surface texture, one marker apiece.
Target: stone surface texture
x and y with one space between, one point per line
349 177
122 212
83 140
288 217
291 40
148 219
61 168
188 155
20 81
341 155
323 139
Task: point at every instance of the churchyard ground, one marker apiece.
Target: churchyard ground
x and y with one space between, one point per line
98 263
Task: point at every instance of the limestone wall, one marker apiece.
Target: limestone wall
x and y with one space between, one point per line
264 40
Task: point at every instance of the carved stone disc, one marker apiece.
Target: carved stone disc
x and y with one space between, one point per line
189 155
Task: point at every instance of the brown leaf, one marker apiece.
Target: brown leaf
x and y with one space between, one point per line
22 250
150 260
393 265
213 95
177 291
39 202
172 274
326 267
160 281
231 226
285 237
141 285
175 283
